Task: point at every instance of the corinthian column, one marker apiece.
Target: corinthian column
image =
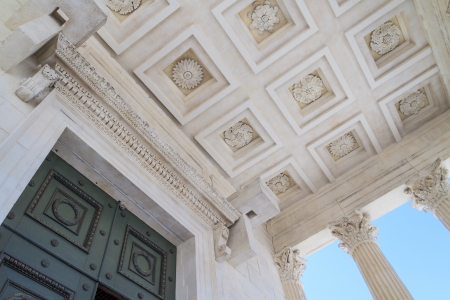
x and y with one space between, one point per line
358 238
431 192
290 267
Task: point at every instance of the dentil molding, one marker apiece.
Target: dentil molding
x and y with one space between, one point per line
67 52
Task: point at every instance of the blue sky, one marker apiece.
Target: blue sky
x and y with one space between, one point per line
415 243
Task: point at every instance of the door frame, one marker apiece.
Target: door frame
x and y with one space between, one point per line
25 149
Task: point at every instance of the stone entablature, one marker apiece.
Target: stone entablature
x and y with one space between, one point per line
97 112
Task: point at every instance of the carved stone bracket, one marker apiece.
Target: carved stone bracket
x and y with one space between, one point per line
430 187
37 86
221 250
290 264
353 231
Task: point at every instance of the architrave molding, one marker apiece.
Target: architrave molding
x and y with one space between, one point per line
134 145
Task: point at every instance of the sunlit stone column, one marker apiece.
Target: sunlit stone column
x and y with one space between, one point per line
358 238
431 192
290 267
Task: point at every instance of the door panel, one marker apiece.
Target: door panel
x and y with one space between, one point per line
66 214
28 270
138 261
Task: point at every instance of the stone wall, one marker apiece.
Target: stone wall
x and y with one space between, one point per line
255 279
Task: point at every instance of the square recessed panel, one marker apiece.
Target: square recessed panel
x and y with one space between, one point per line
297 92
123 12
296 187
121 31
354 135
234 160
414 104
187 102
397 43
341 6
287 21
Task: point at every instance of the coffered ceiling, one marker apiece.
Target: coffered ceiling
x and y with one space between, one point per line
298 92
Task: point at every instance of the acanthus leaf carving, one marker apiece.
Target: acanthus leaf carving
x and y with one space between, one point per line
38 86
430 187
221 234
290 264
354 230
67 52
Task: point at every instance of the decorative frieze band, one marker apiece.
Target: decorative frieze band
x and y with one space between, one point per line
67 52
95 112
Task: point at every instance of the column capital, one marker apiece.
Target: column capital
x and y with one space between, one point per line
429 187
354 230
290 264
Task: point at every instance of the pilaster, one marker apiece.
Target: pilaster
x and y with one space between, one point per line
290 267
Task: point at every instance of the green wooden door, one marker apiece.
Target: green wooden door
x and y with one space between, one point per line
77 225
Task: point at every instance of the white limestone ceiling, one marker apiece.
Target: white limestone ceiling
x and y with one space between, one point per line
360 94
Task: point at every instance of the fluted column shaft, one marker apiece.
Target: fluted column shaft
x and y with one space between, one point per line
358 238
442 212
293 290
290 267
380 277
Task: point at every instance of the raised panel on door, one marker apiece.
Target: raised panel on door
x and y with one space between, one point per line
66 214
139 263
27 272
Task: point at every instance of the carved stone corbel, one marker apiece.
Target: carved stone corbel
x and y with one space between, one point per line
221 250
37 86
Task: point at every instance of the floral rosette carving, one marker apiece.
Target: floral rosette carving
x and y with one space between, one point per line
290 264
187 74
239 135
279 184
385 38
264 17
123 7
430 188
353 231
342 146
412 104
308 89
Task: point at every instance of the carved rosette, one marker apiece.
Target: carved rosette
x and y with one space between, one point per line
352 231
187 74
264 17
238 135
221 233
290 264
279 184
385 38
412 104
308 90
430 187
342 146
123 7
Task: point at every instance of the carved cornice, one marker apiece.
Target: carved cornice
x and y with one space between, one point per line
429 187
100 117
67 52
290 264
353 231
